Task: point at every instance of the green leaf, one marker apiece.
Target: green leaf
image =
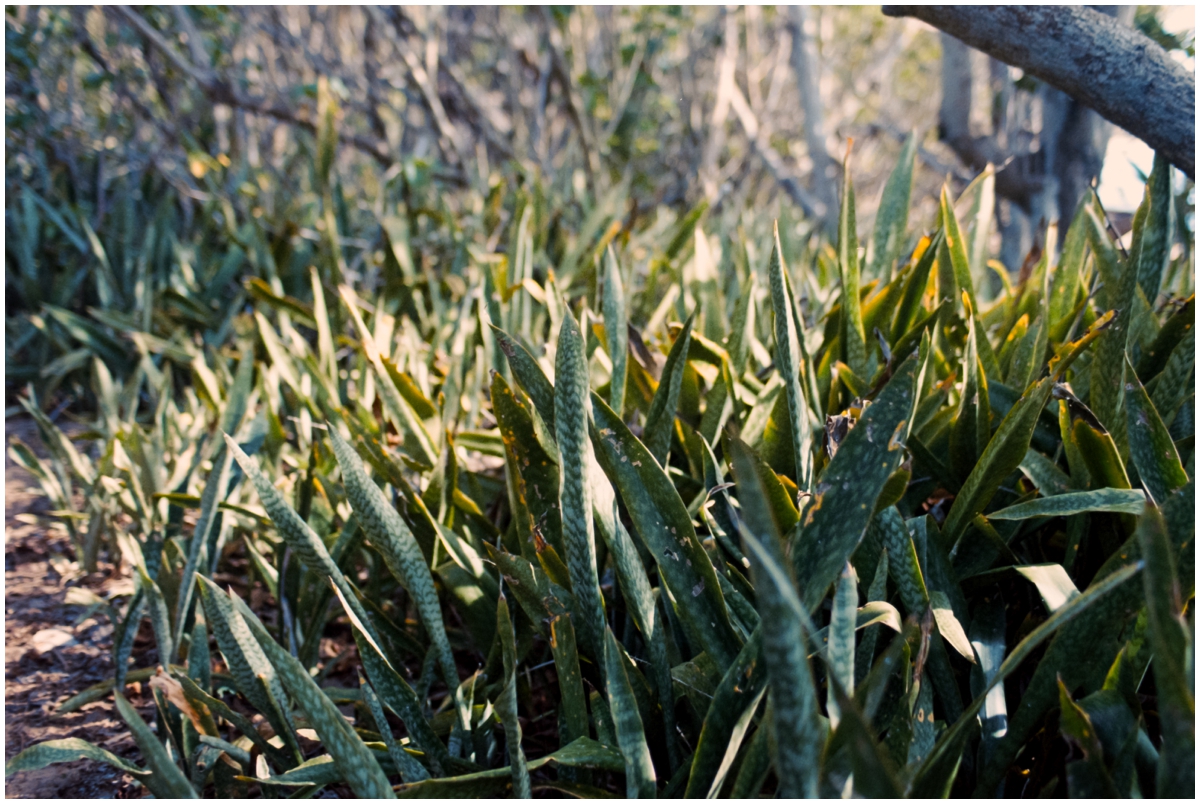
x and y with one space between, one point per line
506 704
528 583
1029 352
639 770
410 770
277 756
874 774
1157 234
757 762
982 191
856 385
1150 445
891 221
1086 777
972 426
160 618
1106 259
1125 501
723 400
325 356
1117 727
842 622
903 565
99 690
956 248
949 746
570 681
260 291
358 766
92 335
574 492
786 631
396 543
529 374
877 612
253 675
914 291
394 691
949 626
38 756
397 407
782 507
1068 276
531 470
854 346
1105 388
1174 382
615 328
844 498
215 487
660 419
1173 658
295 531
56 441
1002 456
639 600
1099 453
789 362
327 134
165 779
1168 340
661 521
728 719
581 753
1047 477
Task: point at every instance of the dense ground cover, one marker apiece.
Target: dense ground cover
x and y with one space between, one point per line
433 479
795 521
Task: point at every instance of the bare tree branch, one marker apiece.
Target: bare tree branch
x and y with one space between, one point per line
201 76
1122 74
199 55
804 65
427 84
574 104
812 207
726 65
219 90
963 130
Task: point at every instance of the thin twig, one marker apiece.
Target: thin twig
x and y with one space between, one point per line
218 90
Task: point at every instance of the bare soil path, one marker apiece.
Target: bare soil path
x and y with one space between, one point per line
49 654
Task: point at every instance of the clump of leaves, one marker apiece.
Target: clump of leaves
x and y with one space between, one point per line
871 535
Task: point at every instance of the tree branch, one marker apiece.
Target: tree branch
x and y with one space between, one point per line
574 103
813 207
1117 71
805 66
217 90
427 84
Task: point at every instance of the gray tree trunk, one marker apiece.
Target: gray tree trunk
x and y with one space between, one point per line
1096 59
1047 146
804 65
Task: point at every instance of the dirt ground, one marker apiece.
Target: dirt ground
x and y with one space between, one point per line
49 655
53 650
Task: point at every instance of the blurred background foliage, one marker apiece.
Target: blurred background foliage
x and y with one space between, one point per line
164 165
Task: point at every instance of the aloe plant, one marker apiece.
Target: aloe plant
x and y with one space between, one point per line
810 549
